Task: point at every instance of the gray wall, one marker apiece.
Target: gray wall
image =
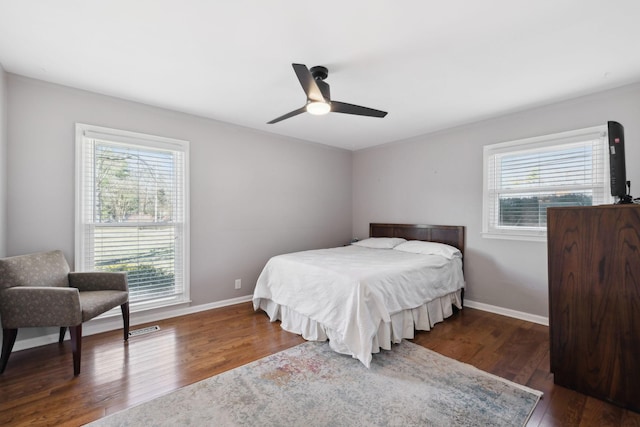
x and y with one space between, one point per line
253 195
437 179
3 162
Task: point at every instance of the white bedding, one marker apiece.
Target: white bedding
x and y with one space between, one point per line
361 299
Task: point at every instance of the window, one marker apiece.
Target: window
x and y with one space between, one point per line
523 178
132 212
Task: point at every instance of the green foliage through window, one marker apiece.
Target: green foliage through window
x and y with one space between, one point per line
531 211
132 185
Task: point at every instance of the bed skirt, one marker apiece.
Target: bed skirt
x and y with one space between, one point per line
402 326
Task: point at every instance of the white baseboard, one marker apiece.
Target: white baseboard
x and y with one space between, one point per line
111 323
507 312
97 326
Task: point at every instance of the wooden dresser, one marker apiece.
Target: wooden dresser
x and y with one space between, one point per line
594 300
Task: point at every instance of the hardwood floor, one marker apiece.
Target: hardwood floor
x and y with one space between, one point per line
38 387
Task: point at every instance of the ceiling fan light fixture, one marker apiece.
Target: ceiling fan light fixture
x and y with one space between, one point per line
318 108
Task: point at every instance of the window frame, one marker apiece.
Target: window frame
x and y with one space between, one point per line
490 195
85 132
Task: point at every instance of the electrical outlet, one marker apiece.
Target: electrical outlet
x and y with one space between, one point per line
238 283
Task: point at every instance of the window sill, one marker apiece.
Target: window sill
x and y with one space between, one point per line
514 236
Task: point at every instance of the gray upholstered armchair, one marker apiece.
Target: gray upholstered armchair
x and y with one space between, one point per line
38 290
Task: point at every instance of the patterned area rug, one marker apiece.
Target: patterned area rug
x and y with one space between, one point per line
311 385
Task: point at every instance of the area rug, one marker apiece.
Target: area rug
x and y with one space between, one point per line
311 385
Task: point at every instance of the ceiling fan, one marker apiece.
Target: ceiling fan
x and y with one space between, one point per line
319 96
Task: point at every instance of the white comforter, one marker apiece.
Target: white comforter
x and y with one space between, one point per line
352 289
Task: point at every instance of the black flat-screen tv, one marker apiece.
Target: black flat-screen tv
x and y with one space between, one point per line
617 166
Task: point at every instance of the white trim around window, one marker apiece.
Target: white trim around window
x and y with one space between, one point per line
524 177
132 212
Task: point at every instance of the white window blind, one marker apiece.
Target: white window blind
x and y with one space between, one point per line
131 211
523 178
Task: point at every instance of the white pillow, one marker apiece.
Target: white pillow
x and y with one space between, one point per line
429 248
380 242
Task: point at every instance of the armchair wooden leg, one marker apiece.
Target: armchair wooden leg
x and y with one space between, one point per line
76 347
125 319
8 339
63 331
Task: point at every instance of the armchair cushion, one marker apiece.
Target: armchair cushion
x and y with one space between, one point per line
32 306
94 303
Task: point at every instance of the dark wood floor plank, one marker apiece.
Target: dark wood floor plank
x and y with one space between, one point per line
599 413
38 386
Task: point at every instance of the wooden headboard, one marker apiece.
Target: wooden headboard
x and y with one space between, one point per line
450 234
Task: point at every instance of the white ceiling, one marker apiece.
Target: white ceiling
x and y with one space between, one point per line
431 64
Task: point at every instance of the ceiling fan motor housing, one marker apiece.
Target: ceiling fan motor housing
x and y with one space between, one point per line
319 72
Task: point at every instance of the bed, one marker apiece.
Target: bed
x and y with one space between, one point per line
369 295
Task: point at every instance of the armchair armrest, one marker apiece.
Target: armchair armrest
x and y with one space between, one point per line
99 281
32 306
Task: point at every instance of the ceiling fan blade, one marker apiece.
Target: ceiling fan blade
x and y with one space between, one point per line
343 107
288 115
308 83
